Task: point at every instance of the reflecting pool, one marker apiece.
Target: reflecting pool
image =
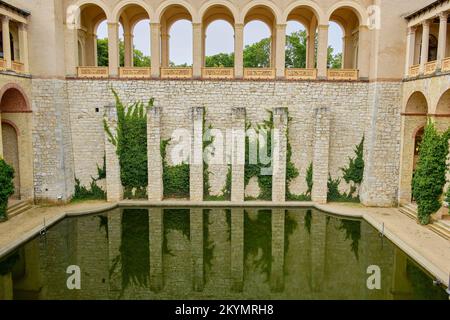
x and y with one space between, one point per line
197 253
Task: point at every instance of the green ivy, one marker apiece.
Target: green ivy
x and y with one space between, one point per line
309 182
429 177
83 193
175 178
352 231
177 220
131 146
6 186
334 194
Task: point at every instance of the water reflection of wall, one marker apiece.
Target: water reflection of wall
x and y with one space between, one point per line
214 253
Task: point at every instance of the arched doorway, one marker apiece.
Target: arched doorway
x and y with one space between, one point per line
11 154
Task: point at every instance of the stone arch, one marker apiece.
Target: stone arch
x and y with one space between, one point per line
13 99
10 143
261 3
416 104
218 3
443 105
79 5
173 3
309 5
357 9
122 5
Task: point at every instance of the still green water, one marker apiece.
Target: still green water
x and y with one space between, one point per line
215 254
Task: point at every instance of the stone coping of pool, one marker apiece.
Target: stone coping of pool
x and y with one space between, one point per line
402 231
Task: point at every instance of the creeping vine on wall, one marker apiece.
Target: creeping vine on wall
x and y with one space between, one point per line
6 186
429 177
175 178
94 192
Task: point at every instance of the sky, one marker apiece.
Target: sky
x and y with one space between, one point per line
219 37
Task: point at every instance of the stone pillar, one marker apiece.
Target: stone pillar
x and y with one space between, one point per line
196 159
23 46
95 39
165 49
321 155
442 42
71 49
280 51
1 139
155 189
425 45
114 188
6 287
280 124
114 242
311 50
364 52
347 51
156 235
322 52
196 225
113 48
237 250
410 49
238 50
155 29
6 40
278 234
128 43
197 47
238 155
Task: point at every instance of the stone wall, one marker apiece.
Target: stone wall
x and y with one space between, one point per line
355 109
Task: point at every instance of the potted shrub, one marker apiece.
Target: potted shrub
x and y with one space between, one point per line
6 187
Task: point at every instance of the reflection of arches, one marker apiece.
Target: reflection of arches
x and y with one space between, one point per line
443 105
417 104
11 153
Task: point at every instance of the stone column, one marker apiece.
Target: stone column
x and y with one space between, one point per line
347 51
6 42
196 225
113 183
165 49
114 242
6 287
23 46
311 50
156 235
155 189
71 49
196 159
410 49
237 250
113 48
95 39
280 51
238 155
197 47
322 52
425 45
277 268
155 29
1 139
238 50
321 154
364 52
280 124
442 44
128 43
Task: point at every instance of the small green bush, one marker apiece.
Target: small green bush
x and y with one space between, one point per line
175 178
429 177
6 186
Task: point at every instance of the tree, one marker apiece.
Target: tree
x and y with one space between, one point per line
257 55
220 60
139 59
6 186
429 177
334 60
296 50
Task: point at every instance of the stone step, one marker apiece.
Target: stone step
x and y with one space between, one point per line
408 212
441 228
18 208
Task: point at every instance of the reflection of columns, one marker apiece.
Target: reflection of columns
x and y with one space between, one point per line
322 51
1 141
114 242
238 50
311 49
128 49
238 155
442 44
363 52
6 287
197 47
23 46
401 286
321 155
318 251
113 48
277 268
196 165
237 250
280 51
196 225
425 45
155 169
165 49
155 29
113 182
410 49
280 124
156 235
6 42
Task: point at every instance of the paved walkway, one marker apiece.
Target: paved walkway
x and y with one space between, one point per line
423 245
